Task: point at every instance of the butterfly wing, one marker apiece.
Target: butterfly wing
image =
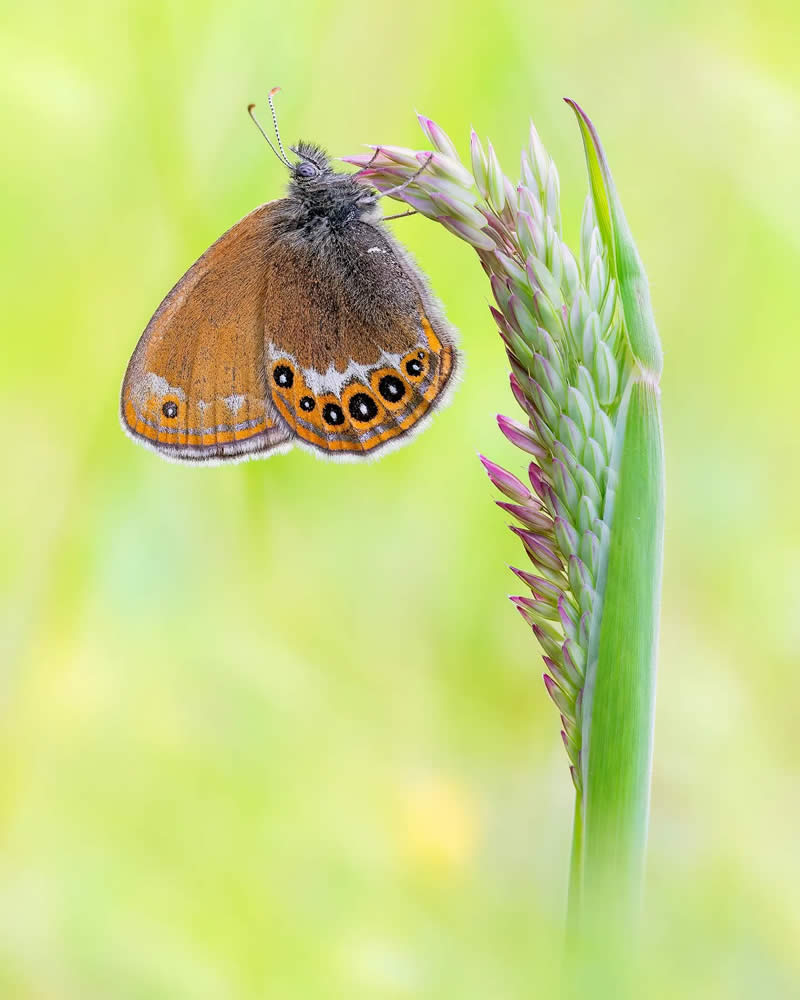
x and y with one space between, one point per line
358 352
195 389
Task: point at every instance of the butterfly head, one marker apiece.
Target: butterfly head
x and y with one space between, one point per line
312 165
322 196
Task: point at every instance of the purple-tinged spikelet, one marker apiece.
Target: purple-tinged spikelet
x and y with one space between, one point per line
558 320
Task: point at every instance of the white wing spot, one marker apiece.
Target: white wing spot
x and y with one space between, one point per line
202 405
375 250
154 385
333 381
234 403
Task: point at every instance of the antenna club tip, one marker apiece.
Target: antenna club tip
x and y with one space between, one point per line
274 91
250 108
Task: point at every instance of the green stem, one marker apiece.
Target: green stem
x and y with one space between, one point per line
575 871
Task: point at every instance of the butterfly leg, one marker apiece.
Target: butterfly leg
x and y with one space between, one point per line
400 215
410 180
369 164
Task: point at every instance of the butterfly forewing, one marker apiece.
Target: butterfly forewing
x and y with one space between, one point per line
195 388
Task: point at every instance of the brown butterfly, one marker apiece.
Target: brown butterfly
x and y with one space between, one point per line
306 323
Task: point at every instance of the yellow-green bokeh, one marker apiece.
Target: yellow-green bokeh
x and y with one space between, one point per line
273 730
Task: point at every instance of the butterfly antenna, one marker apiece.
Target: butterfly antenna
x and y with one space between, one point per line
250 109
270 95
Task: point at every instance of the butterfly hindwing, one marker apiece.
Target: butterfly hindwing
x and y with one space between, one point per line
358 354
195 389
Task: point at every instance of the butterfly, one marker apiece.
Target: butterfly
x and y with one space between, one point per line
305 324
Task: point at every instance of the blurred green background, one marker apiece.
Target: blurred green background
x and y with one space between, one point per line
273 730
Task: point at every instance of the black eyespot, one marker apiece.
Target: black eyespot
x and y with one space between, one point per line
307 404
170 410
332 414
391 388
284 376
307 169
414 367
362 407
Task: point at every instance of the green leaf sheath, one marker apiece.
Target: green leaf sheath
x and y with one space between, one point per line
620 682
